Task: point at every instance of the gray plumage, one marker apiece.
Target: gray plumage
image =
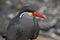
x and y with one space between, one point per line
23 28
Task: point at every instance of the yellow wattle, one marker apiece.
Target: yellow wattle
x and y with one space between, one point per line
30 14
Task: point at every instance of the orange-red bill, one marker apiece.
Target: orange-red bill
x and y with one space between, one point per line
39 15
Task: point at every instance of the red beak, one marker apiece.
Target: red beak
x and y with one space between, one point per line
39 15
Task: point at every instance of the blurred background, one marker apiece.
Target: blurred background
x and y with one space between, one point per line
50 29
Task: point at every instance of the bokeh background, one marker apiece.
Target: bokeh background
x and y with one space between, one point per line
50 28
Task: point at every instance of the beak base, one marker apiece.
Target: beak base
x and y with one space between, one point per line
30 14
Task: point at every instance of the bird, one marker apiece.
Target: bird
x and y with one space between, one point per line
25 25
